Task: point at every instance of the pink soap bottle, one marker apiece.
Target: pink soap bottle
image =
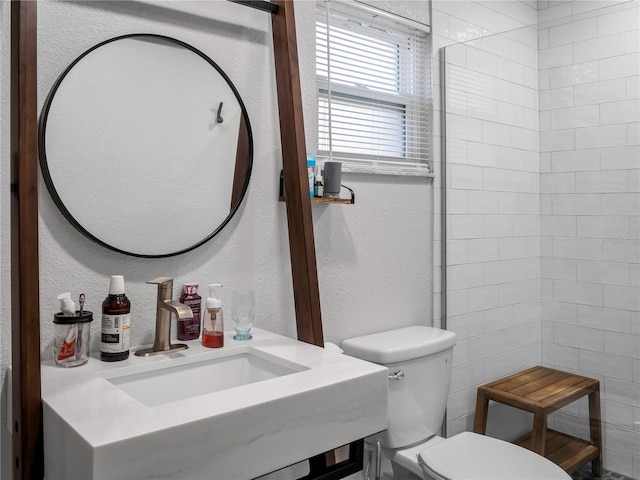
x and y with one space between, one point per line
189 329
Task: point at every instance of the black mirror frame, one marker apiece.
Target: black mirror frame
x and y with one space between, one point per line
42 126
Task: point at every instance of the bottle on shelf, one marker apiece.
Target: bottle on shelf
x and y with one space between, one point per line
318 188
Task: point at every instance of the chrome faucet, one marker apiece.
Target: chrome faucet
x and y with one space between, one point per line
164 308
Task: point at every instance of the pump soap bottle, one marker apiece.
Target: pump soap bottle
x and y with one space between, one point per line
116 323
213 323
189 329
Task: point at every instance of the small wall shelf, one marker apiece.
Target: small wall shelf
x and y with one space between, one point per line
343 201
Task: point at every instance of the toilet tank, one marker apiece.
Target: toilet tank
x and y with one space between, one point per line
419 361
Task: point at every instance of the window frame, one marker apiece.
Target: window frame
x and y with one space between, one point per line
417 108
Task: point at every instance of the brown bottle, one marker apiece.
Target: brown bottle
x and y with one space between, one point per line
116 323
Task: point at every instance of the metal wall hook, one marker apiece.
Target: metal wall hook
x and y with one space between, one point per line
219 118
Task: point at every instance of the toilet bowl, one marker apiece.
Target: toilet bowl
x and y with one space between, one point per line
420 361
472 456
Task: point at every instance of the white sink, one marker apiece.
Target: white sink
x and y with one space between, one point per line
157 386
236 412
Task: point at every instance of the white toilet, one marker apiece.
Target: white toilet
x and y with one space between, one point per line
419 361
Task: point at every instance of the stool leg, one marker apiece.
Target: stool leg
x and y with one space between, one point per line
482 408
539 435
595 429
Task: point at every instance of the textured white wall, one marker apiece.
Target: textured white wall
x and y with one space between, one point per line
374 257
590 201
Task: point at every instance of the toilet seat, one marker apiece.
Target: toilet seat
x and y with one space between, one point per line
472 456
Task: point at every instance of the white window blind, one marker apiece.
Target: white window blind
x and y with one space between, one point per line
374 90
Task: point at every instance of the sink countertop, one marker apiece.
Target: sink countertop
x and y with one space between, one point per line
93 429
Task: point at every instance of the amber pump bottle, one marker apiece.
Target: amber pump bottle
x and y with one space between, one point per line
116 323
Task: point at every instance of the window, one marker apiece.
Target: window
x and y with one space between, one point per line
374 90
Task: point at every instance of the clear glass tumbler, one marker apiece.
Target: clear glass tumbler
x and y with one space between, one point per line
243 308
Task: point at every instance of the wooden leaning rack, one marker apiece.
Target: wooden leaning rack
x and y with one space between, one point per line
28 456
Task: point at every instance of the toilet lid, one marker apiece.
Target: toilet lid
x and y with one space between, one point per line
473 456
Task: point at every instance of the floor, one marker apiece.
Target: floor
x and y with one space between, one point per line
585 474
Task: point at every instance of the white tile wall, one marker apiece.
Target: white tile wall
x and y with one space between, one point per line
589 106
559 356
557 140
622 344
572 117
603 272
621 66
601 47
621 249
480 201
610 226
623 297
602 181
497 226
550 259
493 194
559 225
558 182
556 56
557 98
608 319
618 414
627 393
559 312
620 204
573 32
601 136
575 160
598 92
577 204
620 112
572 74
578 292
579 337
606 365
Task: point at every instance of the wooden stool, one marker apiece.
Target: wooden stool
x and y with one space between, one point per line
541 391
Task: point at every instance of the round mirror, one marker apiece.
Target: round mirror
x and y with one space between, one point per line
145 146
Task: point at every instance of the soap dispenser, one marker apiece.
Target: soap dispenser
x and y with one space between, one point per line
213 323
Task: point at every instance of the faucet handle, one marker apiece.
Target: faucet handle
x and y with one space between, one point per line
161 281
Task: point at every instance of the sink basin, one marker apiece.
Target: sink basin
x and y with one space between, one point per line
236 412
187 379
